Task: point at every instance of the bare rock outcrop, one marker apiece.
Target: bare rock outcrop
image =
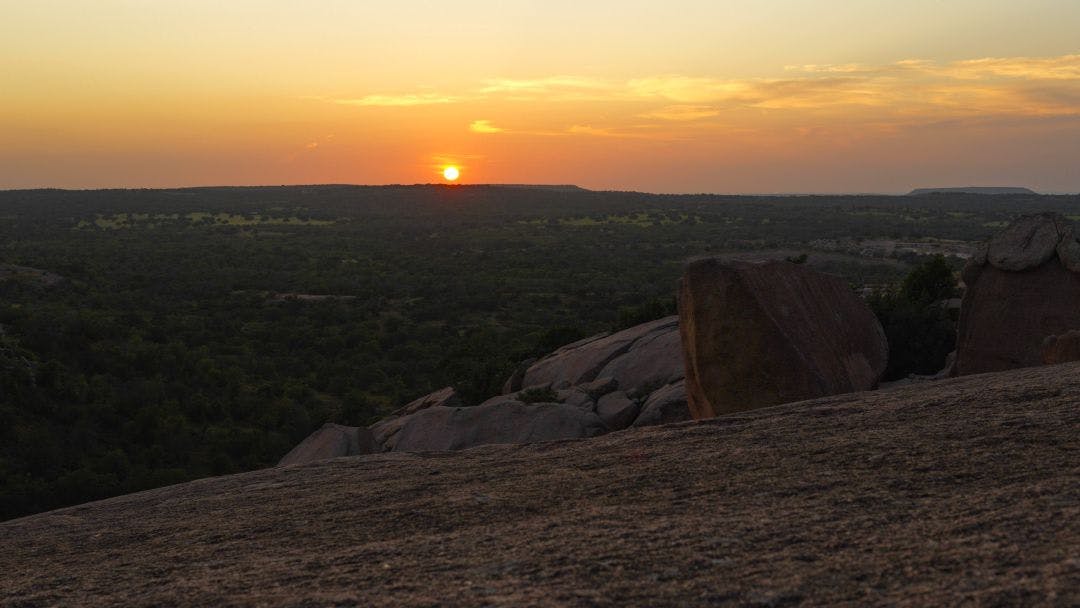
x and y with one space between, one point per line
646 353
440 429
332 441
385 431
1025 289
1061 349
665 406
761 334
619 371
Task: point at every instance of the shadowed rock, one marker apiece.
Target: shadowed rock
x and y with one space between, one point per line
665 405
616 410
760 334
1021 293
332 441
440 429
1061 349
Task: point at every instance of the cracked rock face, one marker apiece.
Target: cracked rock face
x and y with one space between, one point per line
643 354
1026 289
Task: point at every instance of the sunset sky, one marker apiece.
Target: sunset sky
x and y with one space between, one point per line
728 96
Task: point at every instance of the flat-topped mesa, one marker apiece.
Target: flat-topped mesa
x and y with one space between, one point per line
983 190
1021 287
762 334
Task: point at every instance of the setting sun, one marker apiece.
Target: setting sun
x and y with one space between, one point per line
451 174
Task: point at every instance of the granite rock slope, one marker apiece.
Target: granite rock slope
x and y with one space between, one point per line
963 491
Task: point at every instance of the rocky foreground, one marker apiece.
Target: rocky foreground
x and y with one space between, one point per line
959 491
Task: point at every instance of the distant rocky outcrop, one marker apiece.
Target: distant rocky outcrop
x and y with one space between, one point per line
440 429
592 386
1022 287
634 357
605 383
761 334
332 441
972 190
386 430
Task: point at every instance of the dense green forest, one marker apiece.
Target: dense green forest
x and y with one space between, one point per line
153 336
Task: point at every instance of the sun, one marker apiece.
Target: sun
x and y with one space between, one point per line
451 173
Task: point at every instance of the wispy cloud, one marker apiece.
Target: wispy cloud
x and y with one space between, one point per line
484 126
410 99
902 93
682 113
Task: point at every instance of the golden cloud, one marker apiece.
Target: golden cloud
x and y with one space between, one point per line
902 92
682 113
412 99
484 126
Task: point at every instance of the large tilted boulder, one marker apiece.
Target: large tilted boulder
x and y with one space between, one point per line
332 441
1021 288
761 334
439 429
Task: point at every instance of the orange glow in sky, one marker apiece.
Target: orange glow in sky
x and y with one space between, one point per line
680 96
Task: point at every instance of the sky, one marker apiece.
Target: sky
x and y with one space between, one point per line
725 96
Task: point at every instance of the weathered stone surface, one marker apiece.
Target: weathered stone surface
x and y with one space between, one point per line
576 397
1061 349
599 387
385 431
616 410
584 361
1028 242
513 383
331 441
1068 250
665 406
499 399
1006 314
760 334
444 397
821 503
654 360
441 429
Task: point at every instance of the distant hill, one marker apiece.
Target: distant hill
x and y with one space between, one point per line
961 491
971 190
553 187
